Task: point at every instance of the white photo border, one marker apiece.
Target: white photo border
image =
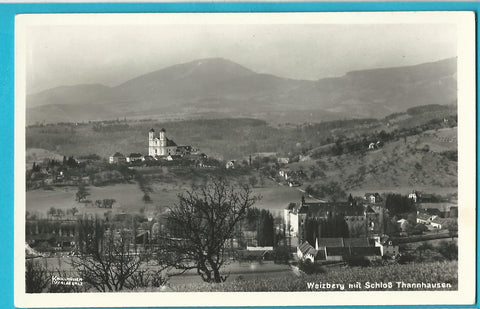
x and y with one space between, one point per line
465 22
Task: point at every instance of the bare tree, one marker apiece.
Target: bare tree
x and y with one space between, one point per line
36 277
199 225
109 266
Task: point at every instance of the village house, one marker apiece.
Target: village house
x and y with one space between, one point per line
441 223
230 164
424 218
135 157
389 249
305 251
294 183
372 198
186 150
117 158
387 246
413 196
291 175
283 160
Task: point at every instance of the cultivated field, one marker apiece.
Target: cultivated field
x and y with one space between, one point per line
409 273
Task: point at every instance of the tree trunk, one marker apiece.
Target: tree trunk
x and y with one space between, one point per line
217 276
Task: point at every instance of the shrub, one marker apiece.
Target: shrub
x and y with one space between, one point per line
311 268
281 255
448 249
357 261
146 278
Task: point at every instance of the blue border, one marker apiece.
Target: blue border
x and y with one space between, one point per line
7 20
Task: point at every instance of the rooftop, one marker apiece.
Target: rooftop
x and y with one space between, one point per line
306 248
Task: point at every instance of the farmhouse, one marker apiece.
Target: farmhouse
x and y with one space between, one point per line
441 223
117 158
424 218
163 146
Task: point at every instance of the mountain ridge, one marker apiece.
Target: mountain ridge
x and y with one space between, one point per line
219 85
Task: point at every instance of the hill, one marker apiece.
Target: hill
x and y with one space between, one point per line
418 149
219 88
420 161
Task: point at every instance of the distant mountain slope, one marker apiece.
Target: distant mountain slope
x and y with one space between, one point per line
70 95
202 87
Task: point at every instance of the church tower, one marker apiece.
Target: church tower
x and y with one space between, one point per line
151 142
163 138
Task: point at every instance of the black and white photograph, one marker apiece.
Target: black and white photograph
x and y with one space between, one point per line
240 157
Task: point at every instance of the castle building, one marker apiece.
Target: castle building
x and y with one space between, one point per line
161 146
358 220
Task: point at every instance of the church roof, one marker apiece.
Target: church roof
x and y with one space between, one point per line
163 130
170 142
151 130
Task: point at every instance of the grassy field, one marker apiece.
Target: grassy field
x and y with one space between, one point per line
128 197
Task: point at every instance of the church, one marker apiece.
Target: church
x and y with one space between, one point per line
161 146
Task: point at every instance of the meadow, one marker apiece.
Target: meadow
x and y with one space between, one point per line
128 197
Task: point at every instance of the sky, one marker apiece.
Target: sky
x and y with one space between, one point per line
112 54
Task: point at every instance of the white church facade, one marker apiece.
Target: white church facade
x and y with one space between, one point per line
161 146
